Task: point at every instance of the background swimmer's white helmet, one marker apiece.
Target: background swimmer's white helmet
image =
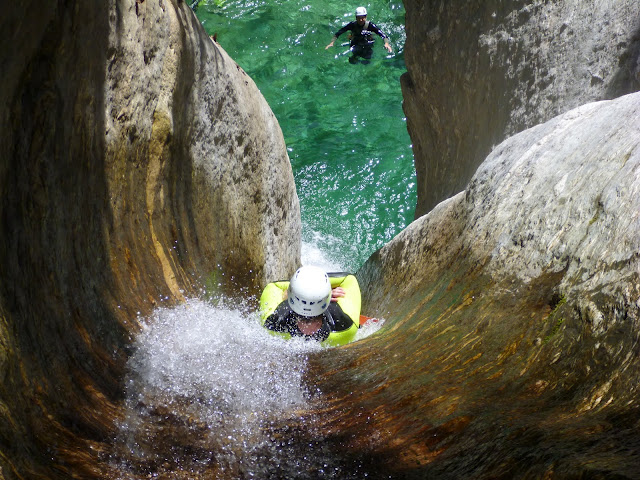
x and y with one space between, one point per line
309 291
361 12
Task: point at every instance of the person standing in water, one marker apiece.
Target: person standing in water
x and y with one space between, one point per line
362 31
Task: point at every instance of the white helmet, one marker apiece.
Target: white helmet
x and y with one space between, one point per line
361 12
309 291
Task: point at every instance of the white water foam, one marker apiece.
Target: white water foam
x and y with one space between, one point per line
369 328
218 367
312 254
197 348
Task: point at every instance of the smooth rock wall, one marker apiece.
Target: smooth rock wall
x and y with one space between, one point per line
512 318
138 165
480 71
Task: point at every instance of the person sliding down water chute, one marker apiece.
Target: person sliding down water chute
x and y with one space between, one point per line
313 305
362 31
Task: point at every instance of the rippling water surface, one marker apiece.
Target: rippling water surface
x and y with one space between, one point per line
343 124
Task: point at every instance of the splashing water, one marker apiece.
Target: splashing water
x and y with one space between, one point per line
215 374
206 384
313 254
197 349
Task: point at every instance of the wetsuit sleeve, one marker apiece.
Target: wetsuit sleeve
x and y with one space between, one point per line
376 30
341 320
348 26
278 321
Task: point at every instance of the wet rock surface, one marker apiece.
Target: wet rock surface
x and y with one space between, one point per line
143 166
139 165
512 317
480 71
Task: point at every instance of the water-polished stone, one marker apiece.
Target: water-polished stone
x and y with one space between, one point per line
512 313
139 164
479 71
137 159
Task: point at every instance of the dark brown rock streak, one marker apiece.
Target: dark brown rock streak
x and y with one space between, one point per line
139 165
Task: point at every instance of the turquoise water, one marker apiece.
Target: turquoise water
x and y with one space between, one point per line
343 124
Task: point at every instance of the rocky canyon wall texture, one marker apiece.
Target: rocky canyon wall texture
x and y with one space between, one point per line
510 348
138 165
480 71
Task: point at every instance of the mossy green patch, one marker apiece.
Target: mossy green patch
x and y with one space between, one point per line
557 303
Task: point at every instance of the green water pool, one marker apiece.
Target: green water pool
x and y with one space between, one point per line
343 123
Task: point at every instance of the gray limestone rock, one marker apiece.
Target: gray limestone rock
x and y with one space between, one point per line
480 71
512 316
561 197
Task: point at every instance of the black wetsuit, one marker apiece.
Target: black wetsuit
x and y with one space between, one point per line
283 319
362 37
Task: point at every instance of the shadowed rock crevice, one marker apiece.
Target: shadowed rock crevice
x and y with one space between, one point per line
54 260
116 200
627 79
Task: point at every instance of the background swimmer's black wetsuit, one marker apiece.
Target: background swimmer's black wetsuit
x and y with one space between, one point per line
362 39
283 319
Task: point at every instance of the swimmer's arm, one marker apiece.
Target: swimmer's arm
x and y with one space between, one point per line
332 42
337 34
